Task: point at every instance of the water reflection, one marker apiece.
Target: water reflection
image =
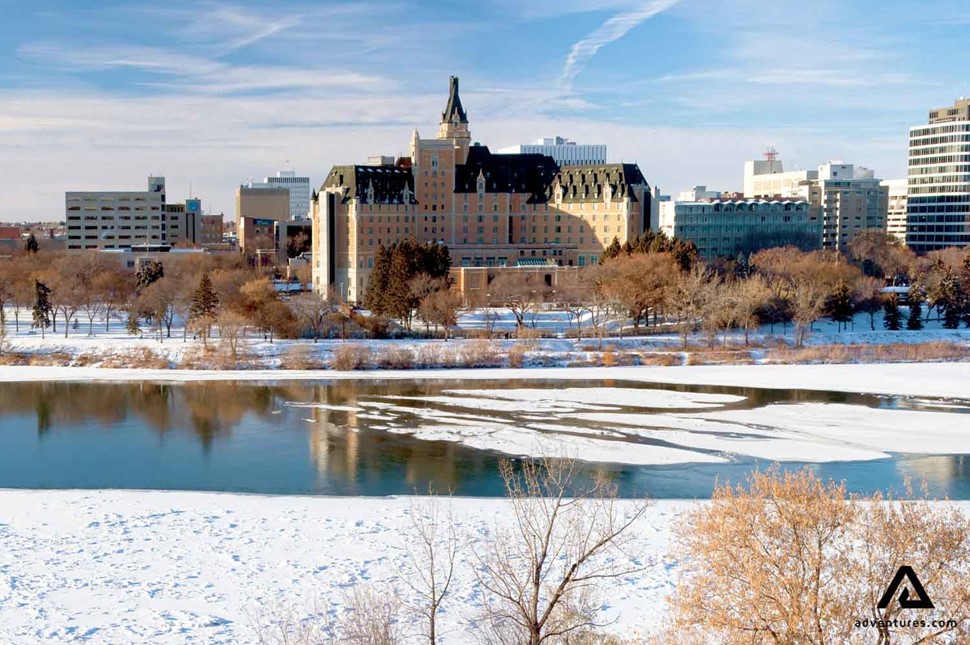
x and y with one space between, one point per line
317 438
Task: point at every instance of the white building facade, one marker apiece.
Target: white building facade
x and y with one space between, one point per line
116 219
564 151
896 209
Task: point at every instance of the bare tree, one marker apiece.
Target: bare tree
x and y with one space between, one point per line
432 548
687 295
521 293
541 576
232 327
274 623
441 308
114 288
373 618
808 302
868 298
313 310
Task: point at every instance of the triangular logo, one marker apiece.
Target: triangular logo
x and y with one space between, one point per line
922 600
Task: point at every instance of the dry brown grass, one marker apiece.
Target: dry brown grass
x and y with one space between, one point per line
394 358
660 359
720 357
14 358
350 357
516 355
478 353
301 357
890 353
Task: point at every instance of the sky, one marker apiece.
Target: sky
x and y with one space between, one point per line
97 95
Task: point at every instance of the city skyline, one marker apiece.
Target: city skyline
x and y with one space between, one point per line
213 94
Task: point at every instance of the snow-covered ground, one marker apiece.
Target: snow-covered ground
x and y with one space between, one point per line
165 567
112 339
907 379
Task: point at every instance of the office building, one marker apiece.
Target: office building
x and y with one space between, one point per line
491 210
562 150
896 209
767 178
257 212
725 227
938 194
116 220
846 198
299 188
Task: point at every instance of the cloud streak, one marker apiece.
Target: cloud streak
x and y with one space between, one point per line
610 31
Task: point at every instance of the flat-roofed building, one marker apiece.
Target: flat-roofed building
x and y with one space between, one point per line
896 208
727 227
116 219
257 211
938 192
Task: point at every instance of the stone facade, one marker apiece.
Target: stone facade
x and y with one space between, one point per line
491 210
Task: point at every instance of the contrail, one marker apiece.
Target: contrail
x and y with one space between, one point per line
610 31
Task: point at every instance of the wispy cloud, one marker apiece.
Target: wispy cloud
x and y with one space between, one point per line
610 31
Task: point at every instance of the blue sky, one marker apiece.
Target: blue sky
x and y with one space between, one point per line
98 95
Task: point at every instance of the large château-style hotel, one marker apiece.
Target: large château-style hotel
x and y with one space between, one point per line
491 210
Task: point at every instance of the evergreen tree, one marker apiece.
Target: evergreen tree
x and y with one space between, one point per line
611 251
434 260
204 305
915 320
205 302
742 267
892 319
841 307
376 297
42 306
131 325
399 301
150 272
31 246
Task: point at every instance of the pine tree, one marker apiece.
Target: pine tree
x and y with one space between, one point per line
400 302
611 251
915 320
841 307
31 246
204 305
375 297
42 306
150 272
131 325
434 260
892 319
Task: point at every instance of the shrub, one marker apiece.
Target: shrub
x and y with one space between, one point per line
478 353
516 355
301 357
789 559
350 357
394 358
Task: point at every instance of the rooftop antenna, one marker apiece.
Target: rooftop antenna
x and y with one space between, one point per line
771 153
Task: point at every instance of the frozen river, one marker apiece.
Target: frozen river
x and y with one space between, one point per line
380 437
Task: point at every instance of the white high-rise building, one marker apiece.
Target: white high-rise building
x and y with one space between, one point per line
896 211
564 151
299 188
938 195
767 177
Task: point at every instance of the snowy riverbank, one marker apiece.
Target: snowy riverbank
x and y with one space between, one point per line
910 379
166 567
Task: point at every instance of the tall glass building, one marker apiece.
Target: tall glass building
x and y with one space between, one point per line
938 206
